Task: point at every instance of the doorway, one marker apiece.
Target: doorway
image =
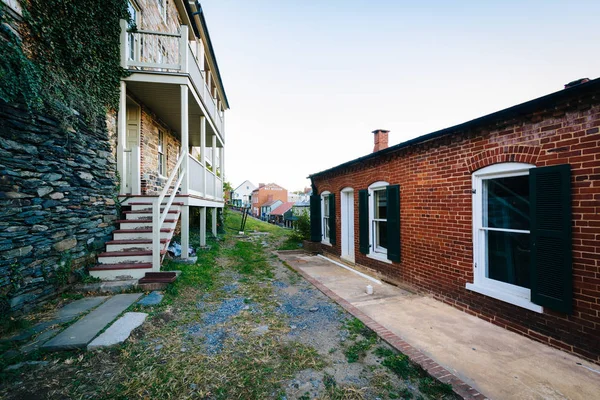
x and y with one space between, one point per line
132 149
347 214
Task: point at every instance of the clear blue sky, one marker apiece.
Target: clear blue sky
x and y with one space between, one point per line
308 81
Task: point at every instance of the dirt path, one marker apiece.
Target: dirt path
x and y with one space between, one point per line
238 325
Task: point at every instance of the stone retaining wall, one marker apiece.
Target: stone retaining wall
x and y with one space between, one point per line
57 203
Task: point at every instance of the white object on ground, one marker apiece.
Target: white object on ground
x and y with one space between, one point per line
369 289
352 270
119 331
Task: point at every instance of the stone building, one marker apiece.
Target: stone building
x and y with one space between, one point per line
498 216
58 190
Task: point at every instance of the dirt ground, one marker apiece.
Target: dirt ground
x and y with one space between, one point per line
240 324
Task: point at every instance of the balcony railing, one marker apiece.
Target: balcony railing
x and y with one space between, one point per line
168 52
204 182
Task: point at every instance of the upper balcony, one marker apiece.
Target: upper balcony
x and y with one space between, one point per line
171 54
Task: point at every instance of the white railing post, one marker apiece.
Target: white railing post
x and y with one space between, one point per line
156 225
214 165
202 226
136 187
222 159
185 212
124 43
203 152
121 135
183 45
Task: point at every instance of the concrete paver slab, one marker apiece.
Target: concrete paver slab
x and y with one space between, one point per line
78 335
154 298
39 340
498 363
119 331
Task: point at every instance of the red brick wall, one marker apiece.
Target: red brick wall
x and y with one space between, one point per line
267 193
436 227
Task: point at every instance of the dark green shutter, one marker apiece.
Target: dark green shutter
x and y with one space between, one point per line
315 218
393 222
551 270
332 218
363 221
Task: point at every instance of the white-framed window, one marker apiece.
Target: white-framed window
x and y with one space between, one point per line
501 234
132 38
325 199
161 154
378 226
162 8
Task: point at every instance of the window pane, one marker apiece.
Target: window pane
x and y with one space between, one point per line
507 202
508 257
381 234
380 204
326 228
326 205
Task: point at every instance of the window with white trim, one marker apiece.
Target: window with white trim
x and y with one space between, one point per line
161 154
378 226
325 199
132 38
501 233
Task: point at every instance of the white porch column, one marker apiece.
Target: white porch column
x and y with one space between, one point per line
202 226
203 152
222 158
121 137
214 221
185 212
183 46
214 165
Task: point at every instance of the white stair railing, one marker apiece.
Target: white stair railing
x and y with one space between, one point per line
158 218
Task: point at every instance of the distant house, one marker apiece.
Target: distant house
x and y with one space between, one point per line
278 214
498 216
267 208
301 208
266 193
240 197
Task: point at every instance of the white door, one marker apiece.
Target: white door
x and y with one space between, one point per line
347 213
132 150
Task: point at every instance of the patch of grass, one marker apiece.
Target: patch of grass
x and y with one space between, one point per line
358 350
356 327
400 365
434 388
291 243
71 296
9 325
250 259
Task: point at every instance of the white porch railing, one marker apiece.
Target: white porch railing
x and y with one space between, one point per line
204 182
168 52
158 218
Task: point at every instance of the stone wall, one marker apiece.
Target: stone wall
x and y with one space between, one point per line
57 206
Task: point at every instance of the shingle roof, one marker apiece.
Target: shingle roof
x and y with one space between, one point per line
282 209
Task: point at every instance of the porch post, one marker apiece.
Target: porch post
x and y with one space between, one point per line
214 221
222 152
202 226
121 137
183 46
185 212
214 165
203 153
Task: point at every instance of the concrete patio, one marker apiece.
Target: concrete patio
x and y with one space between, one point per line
478 358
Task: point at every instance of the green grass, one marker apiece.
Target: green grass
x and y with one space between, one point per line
249 259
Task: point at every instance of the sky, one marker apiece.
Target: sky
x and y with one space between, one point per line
308 81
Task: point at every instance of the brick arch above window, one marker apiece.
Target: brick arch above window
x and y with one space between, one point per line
502 154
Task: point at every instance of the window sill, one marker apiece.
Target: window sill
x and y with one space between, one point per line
379 257
326 243
505 297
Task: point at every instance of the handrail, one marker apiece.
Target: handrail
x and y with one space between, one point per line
158 218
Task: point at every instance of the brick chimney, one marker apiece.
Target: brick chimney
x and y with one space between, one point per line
577 82
381 140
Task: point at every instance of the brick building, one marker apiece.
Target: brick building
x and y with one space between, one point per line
266 193
498 216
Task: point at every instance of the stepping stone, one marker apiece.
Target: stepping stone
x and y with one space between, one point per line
22 364
119 331
63 315
36 343
152 299
78 335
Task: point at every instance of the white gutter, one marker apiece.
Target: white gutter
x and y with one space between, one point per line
352 270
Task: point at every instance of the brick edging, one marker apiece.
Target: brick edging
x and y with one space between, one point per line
433 368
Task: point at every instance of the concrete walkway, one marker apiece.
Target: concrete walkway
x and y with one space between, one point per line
482 357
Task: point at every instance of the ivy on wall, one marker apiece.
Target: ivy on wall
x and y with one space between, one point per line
66 60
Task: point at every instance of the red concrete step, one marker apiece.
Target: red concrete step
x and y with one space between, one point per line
136 241
149 204
137 221
140 230
158 277
109 267
147 212
129 253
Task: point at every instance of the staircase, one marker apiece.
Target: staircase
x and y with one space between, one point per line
129 254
